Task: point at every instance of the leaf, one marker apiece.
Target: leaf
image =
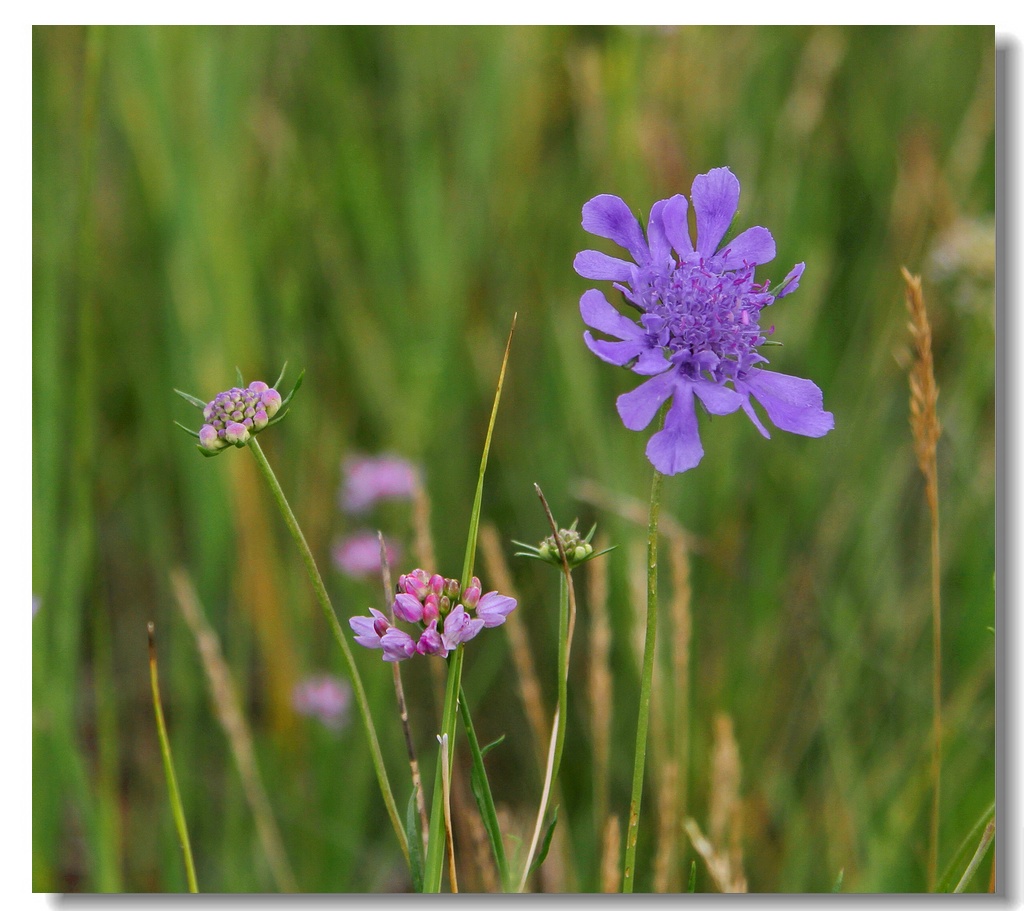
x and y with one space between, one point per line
962 856
481 789
837 886
474 517
412 833
691 886
238 373
191 399
281 377
188 430
295 388
545 844
487 749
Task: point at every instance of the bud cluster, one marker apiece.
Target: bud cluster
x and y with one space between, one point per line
233 416
443 614
577 547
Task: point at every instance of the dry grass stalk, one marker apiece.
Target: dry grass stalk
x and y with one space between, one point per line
924 425
229 713
722 850
599 679
403 708
611 867
665 874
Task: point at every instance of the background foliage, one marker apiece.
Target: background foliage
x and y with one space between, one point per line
372 205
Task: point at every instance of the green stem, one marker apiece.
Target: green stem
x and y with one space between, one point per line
434 866
332 620
559 723
172 781
646 681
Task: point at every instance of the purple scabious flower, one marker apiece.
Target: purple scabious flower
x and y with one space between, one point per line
367 480
698 331
443 616
358 555
325 698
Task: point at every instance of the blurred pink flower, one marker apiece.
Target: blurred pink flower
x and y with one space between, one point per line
369 479
325 698
358 555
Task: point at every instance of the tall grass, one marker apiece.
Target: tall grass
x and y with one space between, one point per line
373 205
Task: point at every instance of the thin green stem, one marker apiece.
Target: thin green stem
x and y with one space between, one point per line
558 724
172 781
434 866
332 621
646 681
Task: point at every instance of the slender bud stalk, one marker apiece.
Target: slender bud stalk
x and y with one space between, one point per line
332 621
646 681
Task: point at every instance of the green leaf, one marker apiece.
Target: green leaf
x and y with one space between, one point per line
962 856
545 844
412 833
482 791
474 518
191 399
238 373
188 430
281 377
837 886
295 388
209 453
487 749
691 885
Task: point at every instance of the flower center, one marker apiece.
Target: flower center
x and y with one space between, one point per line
705 318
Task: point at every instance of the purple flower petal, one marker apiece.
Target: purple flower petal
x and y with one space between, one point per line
617 353
638 408
792 403
677 228
493 608
608 216
718 399
677 447
715 196
397 644
430 641
660 245
408 608
602 316
593 264
792 281
368 630
459 627
751 248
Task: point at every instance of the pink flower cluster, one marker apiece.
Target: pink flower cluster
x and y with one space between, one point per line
444 616
369 479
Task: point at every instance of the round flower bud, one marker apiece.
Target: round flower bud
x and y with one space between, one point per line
271 400
236 434
208 438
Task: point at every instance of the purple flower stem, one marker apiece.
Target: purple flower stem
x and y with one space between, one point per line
324 600
646 678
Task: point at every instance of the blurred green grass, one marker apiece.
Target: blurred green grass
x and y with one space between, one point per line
372 205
